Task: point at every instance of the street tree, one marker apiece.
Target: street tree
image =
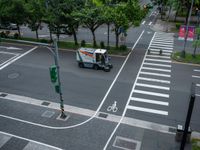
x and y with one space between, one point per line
14 11
36 10
90 17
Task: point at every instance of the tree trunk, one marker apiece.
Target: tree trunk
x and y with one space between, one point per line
94 38
75 37
117 38
108 37
18 29
195 48
187 17
176 13
50 35
36 31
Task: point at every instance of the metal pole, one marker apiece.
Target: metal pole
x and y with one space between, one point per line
183 52
56 58
188 118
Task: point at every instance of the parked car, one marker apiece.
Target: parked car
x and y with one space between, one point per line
10 26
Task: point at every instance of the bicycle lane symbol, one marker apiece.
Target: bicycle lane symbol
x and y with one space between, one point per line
113 107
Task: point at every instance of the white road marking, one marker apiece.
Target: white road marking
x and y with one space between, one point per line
158 60
9 53
196 76
196 70
160 112
155 74
151 93
153 86
161 47
10 48
156 69
7 61
26 139
163 42
87 112
13 60
153 64
158 56
150 23
149 101
158 50
198 85
124 112
198 95
154 80
143 22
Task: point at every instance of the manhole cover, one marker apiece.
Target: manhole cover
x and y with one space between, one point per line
48 114
63 119
45 103
102 115
126 144
13 75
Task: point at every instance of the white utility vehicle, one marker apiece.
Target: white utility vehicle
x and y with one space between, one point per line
93 58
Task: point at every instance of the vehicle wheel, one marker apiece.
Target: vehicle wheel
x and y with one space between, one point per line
107 69
81 65
96 67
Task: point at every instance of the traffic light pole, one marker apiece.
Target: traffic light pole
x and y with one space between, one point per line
56 59
188 118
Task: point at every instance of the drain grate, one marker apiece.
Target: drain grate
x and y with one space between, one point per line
102 115
3 95
126 144
48 114
45 103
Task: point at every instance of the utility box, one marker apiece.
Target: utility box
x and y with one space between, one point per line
179 134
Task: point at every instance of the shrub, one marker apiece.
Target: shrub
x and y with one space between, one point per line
102 45
178 24
44 41
123 47
16 36
3 34
83 43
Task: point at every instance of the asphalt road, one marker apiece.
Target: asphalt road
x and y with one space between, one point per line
146 86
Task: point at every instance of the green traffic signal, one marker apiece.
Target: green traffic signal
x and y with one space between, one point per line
53 73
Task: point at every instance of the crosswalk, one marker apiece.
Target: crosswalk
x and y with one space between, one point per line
196 77
151 92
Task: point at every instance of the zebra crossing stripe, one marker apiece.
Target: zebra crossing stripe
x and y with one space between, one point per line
158 50
198 85
196 70
153 86
154 80
156 69
148 110
162 45
153 64
162 42
158 56
155 74
195 76
151 93
159 60
149 101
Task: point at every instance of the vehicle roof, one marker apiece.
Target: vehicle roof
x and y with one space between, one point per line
90 50
102 51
